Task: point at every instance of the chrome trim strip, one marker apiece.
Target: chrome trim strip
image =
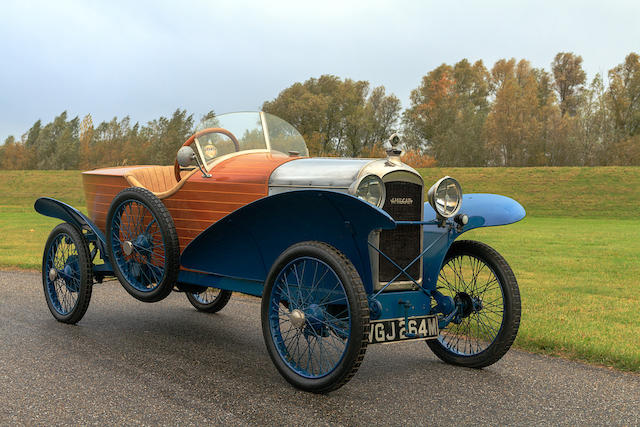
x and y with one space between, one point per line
329 187
265 130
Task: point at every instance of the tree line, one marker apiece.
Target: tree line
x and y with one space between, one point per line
517 115
460 115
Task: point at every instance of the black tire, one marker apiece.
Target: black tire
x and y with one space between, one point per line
150 270
494 285
67 274
210 300
348 337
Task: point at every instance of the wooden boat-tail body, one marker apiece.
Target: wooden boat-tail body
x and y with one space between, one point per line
199 202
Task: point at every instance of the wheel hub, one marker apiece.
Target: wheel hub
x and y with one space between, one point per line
142 241
127 248
317 319
466 304
68 276
297 318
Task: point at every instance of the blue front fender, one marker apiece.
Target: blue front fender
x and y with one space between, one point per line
483 210
245 243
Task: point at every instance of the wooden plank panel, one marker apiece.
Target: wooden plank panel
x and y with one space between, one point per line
200 202
202 205
230 197
99 192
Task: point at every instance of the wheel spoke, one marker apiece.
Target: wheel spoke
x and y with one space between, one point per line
63 291
134 222
473 284
314 348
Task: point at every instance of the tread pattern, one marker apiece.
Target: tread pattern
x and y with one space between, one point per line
87 282
172 245
362 311
214 306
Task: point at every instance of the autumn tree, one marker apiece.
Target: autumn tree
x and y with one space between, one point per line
461 114
107 146
56 144
447 114
14 154
30 143
624 102
337 116
86 134
555 145
167 135
569 79
382 114
513 127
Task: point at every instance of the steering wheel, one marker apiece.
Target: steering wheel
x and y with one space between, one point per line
194 137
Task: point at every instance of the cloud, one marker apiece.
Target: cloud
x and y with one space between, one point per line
145 58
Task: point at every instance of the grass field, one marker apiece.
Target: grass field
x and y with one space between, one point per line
576 255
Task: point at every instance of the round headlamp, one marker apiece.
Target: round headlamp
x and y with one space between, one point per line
371 189
445 196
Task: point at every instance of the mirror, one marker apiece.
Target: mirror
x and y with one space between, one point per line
185 156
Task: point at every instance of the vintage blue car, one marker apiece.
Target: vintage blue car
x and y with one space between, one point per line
343 252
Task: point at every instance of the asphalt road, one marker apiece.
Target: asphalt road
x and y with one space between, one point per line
129 362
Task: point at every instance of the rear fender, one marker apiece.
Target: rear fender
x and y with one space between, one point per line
57 209
245 243
483 210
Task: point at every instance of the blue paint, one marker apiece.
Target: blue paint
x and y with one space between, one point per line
61 296
56 209
249 287
483 210
237 252
245 243
493 209
143 272
311 287
419 304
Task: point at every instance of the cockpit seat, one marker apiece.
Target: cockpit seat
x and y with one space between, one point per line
160 180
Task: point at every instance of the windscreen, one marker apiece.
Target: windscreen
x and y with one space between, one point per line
217 136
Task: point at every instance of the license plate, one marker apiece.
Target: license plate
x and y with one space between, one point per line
393 330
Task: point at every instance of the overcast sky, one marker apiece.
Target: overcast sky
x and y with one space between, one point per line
145 59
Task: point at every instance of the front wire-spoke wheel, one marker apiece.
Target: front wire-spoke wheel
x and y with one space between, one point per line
66 273
210 300
485 292
143 244
315 317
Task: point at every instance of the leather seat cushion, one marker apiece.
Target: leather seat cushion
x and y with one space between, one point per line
157 179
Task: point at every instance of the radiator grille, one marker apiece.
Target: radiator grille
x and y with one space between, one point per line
404 203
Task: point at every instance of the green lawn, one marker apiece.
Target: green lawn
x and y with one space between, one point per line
23 232
573 192
579 284
576 255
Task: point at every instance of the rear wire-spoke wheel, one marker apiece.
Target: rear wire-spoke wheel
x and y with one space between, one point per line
210 300
315 317
486 293
66 273
143 244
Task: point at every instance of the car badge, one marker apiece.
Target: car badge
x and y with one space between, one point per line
402 201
